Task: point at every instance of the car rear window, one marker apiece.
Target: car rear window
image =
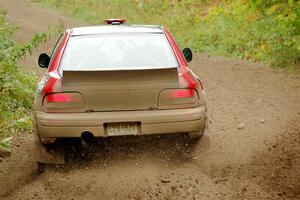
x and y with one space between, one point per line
115 51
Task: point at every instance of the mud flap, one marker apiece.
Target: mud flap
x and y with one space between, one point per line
45 155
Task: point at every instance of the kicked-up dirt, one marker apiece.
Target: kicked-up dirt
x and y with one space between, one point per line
252 150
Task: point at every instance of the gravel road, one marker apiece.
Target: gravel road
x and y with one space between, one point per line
252 150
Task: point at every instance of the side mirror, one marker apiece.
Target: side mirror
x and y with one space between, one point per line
188 55
44 60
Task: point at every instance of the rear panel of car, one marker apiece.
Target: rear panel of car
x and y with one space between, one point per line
120 90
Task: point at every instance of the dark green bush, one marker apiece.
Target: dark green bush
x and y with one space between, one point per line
16 87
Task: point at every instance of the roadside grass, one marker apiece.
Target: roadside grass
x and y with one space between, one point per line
16 87
5 143
266 31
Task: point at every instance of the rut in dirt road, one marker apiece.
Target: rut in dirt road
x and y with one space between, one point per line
260 160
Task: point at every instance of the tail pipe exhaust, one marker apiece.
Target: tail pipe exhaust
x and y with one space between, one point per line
87 137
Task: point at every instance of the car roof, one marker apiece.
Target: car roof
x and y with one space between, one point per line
109 29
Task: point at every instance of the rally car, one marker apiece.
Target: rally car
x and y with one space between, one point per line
115 80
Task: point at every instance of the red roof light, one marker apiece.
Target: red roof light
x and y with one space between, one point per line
114 21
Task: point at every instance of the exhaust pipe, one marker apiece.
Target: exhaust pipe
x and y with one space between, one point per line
87 137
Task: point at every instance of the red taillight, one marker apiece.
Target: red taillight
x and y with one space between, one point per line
58 98
63 102
182 93
55 100
178 98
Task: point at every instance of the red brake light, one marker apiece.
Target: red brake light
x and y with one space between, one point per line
178 98
59 98
62 102
114 21
185 93
55 100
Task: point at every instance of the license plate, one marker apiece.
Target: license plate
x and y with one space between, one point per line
123 128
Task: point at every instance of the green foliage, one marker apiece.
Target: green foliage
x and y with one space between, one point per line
16 87
5 143
260 30
266 31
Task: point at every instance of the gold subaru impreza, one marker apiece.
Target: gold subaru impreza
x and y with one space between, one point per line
116 80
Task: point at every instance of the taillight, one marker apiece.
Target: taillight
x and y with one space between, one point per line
61 102
55 100
59 98
184 97
182 93
178 98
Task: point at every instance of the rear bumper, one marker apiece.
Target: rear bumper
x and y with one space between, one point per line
57 125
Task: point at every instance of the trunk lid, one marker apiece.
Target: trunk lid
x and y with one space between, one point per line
115 90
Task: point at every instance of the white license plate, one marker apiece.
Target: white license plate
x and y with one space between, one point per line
123 128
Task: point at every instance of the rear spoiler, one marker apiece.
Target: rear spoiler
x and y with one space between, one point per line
152 78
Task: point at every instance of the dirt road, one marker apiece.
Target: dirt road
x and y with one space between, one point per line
251 152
